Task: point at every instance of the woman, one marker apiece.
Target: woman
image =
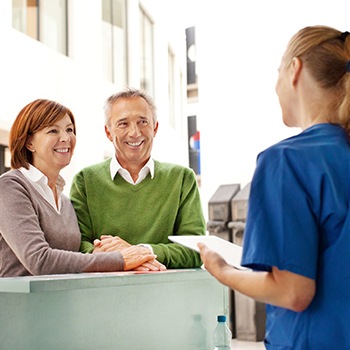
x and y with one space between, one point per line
39 233
297 236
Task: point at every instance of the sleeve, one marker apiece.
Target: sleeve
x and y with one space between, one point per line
189 221
21 230
78 198
281 228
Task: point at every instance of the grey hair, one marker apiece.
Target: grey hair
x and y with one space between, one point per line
128 93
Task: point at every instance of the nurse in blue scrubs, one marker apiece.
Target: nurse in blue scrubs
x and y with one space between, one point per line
297 235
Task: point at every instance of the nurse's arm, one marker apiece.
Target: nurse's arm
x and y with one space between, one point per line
278 287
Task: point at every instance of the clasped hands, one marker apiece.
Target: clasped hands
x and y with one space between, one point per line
135 257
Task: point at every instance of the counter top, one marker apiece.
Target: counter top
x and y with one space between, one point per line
34 284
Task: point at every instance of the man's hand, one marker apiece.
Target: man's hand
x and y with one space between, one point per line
110 244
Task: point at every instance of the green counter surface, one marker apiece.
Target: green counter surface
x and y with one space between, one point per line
176 309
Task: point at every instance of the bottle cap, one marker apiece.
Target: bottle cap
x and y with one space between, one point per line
221 318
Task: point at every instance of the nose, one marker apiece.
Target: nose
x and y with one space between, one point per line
134 130
64 136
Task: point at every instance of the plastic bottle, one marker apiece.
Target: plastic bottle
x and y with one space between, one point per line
222 335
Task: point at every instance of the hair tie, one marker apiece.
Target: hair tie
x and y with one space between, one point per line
348 67
343 36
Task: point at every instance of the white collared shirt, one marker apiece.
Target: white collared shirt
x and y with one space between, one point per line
115 168
40 183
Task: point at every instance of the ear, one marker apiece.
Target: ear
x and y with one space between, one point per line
155 129
29 144
108 133
296 67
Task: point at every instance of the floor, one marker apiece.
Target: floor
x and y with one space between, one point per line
246 345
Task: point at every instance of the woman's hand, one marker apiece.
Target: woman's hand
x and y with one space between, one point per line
115 243
151 265
135 256
213 262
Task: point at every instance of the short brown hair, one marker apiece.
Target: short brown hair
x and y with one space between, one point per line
34 117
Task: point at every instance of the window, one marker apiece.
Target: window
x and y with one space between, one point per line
114 40
146 49
43 20
171 88
4 159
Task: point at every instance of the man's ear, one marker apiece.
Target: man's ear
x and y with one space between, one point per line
108 133
155 129
296 67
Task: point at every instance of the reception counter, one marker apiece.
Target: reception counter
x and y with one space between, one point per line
171 310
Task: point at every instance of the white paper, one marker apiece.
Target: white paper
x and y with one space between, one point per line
231 252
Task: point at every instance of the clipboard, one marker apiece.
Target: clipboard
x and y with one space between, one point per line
231 252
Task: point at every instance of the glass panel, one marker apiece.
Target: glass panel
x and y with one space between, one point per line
53 24
114 40
4 159
25 17
107 39
171 92
106 11
7 158
146 60
47 22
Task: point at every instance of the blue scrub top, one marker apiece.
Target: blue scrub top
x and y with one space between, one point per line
299 220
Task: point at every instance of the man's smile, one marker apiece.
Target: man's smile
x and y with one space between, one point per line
134 144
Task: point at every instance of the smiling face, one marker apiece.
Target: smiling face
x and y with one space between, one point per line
53 146
132 129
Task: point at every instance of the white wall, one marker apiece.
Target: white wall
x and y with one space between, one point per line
30 70
170 145
239 47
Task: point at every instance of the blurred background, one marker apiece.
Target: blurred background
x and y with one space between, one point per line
211 67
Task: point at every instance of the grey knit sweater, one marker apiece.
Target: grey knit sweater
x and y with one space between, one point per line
37 240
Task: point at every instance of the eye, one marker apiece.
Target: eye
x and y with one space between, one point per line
52 131
121 125
70 130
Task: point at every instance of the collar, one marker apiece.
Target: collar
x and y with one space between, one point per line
35 175
115 167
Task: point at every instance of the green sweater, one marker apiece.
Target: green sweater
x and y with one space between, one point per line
149 212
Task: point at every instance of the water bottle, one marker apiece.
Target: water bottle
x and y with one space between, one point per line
222 335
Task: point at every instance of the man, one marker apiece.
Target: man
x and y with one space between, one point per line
132 199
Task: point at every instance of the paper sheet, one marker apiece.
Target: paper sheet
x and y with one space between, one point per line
231 252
